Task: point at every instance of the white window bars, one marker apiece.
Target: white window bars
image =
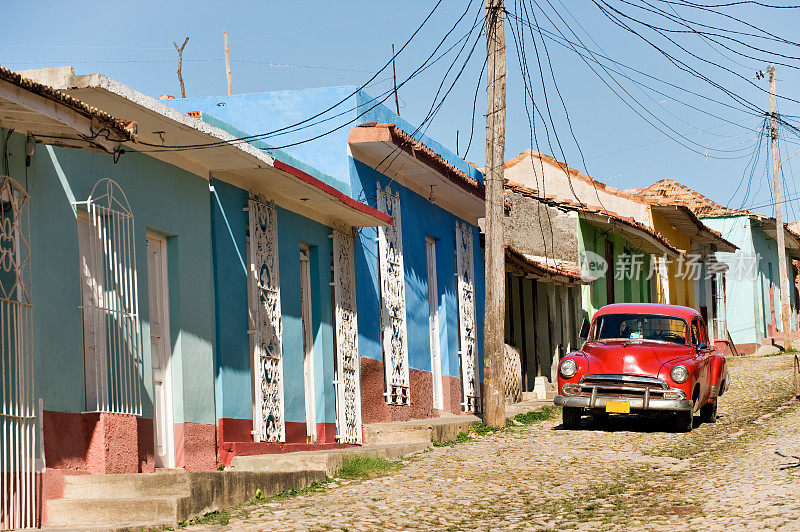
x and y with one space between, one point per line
265 322
468 348
18 494
348 362
110 303
393 301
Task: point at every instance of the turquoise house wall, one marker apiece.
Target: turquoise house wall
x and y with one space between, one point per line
767 250
748 306
744 308
234 382
56 178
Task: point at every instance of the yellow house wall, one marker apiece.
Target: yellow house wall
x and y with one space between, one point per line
681 290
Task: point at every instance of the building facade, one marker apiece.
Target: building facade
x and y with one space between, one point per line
419 281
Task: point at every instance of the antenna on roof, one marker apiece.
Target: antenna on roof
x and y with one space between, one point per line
228 63
180 64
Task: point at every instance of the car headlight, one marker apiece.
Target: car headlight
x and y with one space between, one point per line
679 374
568 368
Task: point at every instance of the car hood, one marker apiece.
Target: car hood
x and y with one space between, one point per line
631 357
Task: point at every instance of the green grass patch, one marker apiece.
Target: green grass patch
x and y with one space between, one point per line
536 416
479 428
288 494
365 467
220 517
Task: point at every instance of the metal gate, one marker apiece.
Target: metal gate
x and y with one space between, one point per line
265 322
110 302
348 362
393 301
18 494
468 348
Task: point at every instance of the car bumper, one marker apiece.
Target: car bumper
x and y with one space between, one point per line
637 403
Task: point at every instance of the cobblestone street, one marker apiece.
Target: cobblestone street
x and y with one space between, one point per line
741 473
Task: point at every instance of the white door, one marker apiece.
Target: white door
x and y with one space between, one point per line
160 350
433 321
308 346
94 331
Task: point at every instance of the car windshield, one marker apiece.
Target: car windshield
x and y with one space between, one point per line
639 327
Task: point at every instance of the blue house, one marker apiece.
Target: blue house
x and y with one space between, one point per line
249 307
419 281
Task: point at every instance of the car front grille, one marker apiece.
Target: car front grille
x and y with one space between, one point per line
631 386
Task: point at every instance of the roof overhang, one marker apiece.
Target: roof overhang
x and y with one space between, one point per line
53 117
769 226
684 220
238 163
641 238
524 265
417 167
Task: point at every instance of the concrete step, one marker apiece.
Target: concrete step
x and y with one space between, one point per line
103 512
128 486
204 491
417 430
324 461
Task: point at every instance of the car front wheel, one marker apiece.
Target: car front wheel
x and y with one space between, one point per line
571 417
683 421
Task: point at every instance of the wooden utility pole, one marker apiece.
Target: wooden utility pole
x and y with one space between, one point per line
494 357
394 75
228 63
779 230
180 64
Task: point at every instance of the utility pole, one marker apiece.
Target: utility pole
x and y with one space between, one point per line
494 341
394 76
228 63
180 64
779 230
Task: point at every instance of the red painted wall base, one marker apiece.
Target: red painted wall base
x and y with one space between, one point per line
373 404
235 437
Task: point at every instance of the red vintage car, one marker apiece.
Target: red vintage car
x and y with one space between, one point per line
643 358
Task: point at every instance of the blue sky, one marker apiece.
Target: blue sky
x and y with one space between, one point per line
280 45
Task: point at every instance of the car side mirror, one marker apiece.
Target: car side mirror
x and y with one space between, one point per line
584 333
702 347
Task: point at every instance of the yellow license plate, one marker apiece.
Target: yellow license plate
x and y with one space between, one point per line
618 407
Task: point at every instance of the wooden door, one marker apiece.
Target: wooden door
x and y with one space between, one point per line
160 350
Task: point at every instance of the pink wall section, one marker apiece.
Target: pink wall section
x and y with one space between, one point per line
100 442
373 404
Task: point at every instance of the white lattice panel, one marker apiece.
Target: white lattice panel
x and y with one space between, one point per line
265 318
348 363
110 302
465 271
393 301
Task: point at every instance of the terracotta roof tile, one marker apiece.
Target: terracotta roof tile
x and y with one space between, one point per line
542 267
427 155
572 172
